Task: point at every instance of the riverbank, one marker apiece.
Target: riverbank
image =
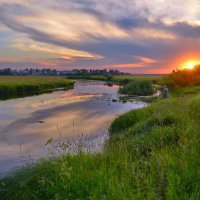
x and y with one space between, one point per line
137 85
122 80
152 153
132 85
20 86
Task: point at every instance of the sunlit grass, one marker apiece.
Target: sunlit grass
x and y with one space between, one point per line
183 78
16 86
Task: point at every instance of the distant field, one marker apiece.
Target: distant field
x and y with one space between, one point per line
138 76
30 79
16 86
122 79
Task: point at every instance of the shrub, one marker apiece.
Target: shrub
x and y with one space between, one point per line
137 87
183 78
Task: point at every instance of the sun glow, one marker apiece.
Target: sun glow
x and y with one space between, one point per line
190 64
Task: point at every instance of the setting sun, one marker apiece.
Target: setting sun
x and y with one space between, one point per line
190 64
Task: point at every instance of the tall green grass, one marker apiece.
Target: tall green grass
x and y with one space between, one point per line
17 86
137 87
152 153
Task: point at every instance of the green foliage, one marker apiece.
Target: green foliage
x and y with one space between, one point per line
125 121
17 86
152 153
183 78
137 87
108 77
194 108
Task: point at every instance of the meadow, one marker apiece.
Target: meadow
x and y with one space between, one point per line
19 86
152 153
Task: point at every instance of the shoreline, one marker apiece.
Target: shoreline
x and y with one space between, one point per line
17 87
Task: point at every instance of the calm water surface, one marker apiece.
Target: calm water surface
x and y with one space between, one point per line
26 124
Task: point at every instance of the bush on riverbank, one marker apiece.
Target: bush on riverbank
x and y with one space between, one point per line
137 87
183 78
16 86
152 153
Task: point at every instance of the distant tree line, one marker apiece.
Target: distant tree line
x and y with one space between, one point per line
54 72
28 71
6 71
96 72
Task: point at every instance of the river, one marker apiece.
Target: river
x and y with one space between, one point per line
85 112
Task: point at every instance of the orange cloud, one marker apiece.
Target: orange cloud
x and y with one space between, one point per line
143 61
152 33
8 59
146 59
58 51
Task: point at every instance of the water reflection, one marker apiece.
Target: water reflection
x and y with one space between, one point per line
27 123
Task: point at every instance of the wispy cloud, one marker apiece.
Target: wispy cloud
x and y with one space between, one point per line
141 62
58 51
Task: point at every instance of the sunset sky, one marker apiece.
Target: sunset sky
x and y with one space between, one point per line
137 36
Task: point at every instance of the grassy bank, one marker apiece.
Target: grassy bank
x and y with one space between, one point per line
153 153
137 87
18 86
